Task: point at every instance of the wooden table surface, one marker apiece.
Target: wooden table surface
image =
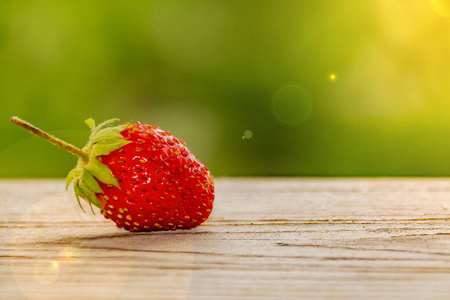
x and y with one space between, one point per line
268 238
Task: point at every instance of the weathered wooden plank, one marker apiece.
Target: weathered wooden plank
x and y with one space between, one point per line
286 238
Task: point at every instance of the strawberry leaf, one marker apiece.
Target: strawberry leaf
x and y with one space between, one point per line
101 172
91 123
122 127
101 125
74 173
90 171
108 146
90 182
88 194
106 134
77 195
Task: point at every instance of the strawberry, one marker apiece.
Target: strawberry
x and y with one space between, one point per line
139 176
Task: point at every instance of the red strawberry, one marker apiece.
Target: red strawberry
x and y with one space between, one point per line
140 176
162 185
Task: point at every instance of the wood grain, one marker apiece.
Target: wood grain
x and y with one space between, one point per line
284 238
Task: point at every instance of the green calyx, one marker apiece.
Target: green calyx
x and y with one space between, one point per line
89 170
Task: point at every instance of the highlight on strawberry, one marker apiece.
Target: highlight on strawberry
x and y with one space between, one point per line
139 176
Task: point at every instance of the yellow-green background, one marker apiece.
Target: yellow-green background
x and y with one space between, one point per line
336 87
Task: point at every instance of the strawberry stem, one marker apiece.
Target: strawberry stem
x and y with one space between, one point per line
60 143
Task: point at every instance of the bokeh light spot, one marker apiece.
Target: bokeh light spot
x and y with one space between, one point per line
292 105
441 7
332 77
45 271
248 134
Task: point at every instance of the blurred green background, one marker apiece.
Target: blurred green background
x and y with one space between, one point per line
307 88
